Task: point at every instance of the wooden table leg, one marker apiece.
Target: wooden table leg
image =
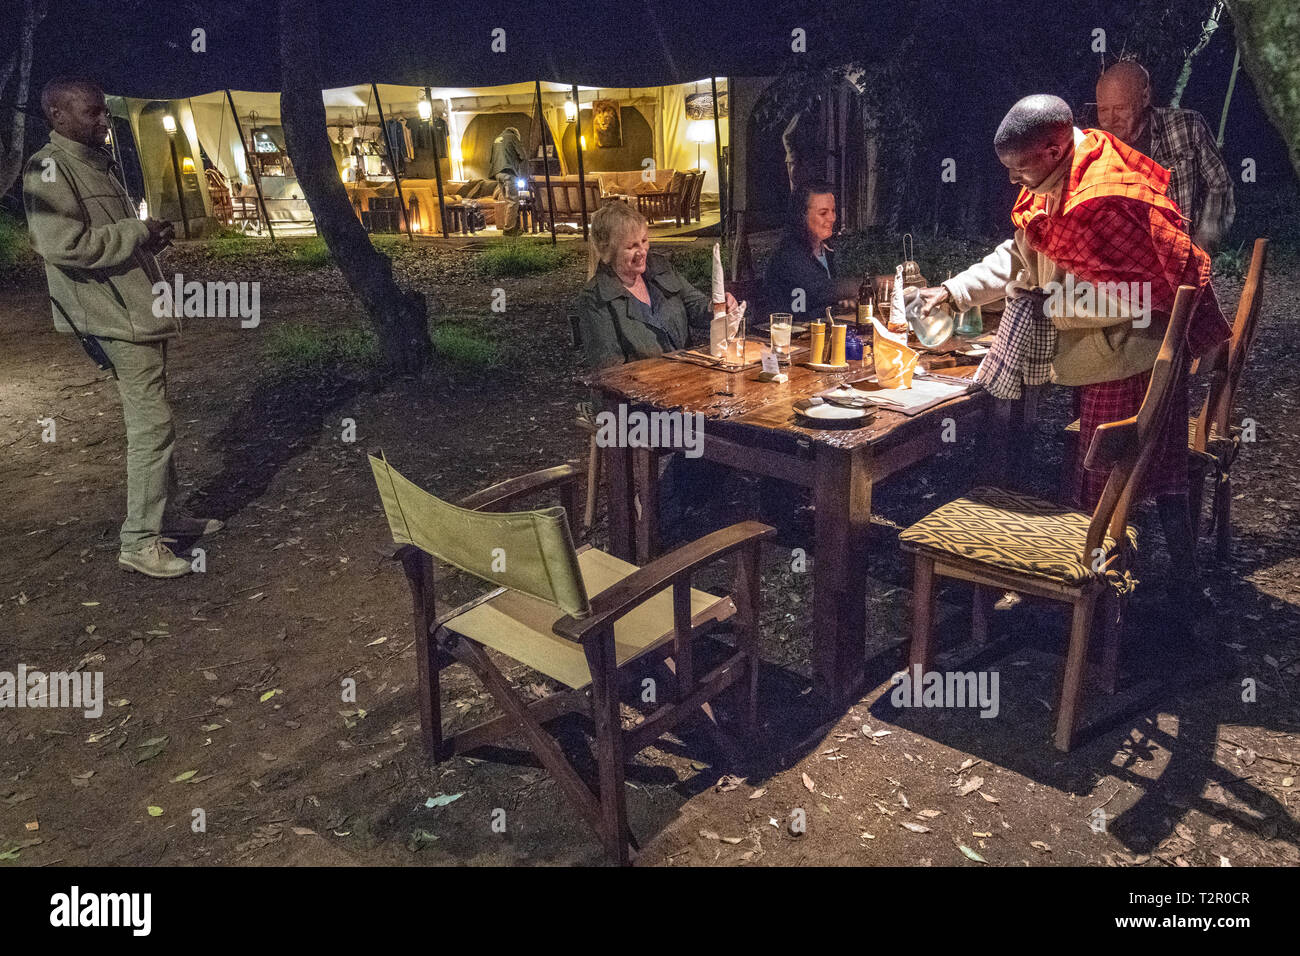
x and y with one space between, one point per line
619 505
645 470
993 459
842 498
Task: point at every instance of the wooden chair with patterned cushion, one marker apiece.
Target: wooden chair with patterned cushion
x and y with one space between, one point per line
1008 541
577 615
1215 441
1212 441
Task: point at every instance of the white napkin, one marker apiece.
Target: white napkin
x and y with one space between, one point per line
897 302
719 290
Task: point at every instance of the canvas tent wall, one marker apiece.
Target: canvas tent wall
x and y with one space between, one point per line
656 127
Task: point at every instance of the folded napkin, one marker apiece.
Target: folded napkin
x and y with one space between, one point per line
895 362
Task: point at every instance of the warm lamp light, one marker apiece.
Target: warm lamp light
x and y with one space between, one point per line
169 123
583 141
187 165
700 131
570 110
425 108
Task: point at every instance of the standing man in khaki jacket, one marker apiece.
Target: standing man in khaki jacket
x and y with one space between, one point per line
100 265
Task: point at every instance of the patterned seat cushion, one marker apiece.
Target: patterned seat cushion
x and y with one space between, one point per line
1010 531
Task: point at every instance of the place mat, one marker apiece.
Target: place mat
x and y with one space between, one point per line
926 392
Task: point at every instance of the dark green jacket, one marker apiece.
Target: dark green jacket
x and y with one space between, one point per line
83 225
613 334
508 155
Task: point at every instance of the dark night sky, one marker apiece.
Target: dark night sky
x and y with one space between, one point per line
143 48
962 63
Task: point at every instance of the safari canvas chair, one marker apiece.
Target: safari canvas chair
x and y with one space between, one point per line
1003 540
577 615
1212 441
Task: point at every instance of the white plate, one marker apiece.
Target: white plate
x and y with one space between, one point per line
828 412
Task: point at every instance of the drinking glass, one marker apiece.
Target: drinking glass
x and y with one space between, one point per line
781 323
737 343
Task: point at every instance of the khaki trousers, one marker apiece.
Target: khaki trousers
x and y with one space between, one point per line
510 196
150 437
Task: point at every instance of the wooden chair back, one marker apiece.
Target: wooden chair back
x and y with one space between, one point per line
697 189
527 551
1226 376
1127 446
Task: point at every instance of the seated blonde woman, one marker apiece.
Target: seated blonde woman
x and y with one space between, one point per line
635 305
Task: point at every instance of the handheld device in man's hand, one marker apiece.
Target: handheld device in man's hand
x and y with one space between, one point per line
88 342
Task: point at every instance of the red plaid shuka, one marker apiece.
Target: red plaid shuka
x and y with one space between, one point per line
1115 224
1114 401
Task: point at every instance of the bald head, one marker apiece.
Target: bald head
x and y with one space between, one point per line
75 107
1034 137
1123 100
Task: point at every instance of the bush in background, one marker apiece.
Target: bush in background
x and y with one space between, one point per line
14 247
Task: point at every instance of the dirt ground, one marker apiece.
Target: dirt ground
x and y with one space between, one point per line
224 688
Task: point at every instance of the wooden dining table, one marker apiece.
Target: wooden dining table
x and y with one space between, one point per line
750 425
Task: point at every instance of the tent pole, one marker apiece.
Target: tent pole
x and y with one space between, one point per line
546 162
180 188
437 163
117 158
717 143
392 161
252 169
582 175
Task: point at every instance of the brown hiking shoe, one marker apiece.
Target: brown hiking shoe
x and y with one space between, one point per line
154 559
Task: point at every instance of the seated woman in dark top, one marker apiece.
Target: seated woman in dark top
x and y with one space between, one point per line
801 274
635 305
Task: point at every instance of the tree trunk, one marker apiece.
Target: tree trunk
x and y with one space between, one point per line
1207 31
1270 49
11 152
400 316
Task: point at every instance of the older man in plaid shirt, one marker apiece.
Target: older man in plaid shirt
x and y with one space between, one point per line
1177 139
1093 208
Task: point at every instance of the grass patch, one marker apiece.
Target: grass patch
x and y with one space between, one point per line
695 263
1233 262
465 348
519 257
307 254
232 244
14 247
297 348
